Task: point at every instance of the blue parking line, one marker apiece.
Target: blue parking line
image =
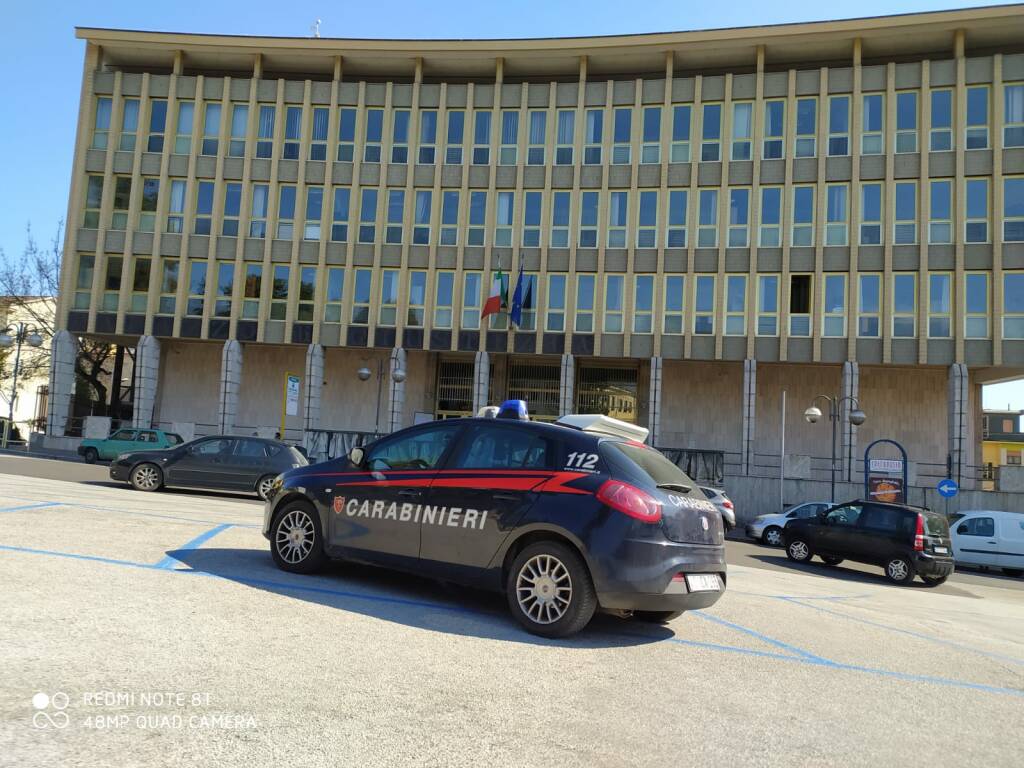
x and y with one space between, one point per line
24 507
760 636
75 556
170 562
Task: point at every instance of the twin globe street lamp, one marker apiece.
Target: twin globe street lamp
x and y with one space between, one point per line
856 417
14 336
364 374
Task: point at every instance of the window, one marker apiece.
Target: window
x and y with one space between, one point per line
211 129
498 447
112 283
265 132
680 133
477 218
677 200
239 127
400 136
836 214
395 215
869 306
449 217
768 305
531 219
129 125
584 304
339 214
1013 209
232 209
803 216
286 212
940 224
443 299
83 280
314 213
650 151
618 203
774 130
976 226
906 121
122 196
871 214
560 220
101 125
904 305
183 129
225 284
647 220
279 292
806 127
204 208
346 135
214 447
771 217
838 126
258 220
976 319
588 220
707 220
252 291
93 202
318 133
504 219
482 138
564 137
537 137
940 306
905 226
977 526
834 321
739 217
421 217
555 317
453 142
704 305
148 204
742 130
942 121
711 133
367 215
735 305
622 130
799 305
168 287
1013 115
613 304
374 135
592 138
422 449
507 151
388 297
471 300
157 125
643 304
176 208
361 297
1013 305
977 118
196 288
675 299
428 137
872 140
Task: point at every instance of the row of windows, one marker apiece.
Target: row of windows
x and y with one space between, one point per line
641 218
708 298
650 126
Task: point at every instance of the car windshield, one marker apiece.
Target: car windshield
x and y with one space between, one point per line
650 462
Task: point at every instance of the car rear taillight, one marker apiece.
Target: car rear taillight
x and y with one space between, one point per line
919 534
727 504
630 500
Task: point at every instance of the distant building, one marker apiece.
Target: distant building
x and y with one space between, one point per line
34 367
1003 443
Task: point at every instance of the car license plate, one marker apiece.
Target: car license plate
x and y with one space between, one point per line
702 582
941 550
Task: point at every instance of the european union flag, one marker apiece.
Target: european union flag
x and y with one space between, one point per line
520 298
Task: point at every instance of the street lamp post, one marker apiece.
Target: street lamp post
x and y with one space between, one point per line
364 374
835 403
14 336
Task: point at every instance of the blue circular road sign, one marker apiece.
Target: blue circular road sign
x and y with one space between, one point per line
948 488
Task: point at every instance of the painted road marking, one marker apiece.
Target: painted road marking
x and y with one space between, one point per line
170 561
40 505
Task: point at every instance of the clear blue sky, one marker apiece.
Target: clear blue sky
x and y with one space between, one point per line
42 58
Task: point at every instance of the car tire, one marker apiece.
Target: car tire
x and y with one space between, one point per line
934 581
1014 572
263 486
831 560
799 551
656 617
90 455
772 536
146 477
296 542
898 570
535 587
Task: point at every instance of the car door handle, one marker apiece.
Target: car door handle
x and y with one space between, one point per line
410 493
506 497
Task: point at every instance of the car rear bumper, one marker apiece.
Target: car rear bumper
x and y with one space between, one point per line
928 565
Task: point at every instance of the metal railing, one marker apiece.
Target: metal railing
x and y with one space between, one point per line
707 467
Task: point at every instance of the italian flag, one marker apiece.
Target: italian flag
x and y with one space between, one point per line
495 300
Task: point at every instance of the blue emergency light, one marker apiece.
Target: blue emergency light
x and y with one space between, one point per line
513 409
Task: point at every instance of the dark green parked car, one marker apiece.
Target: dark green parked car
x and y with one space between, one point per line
127 441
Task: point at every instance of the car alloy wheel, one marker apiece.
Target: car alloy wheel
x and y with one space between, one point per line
799 551
264 486
544 589
295 537
773 537
899 571
146 477
549 589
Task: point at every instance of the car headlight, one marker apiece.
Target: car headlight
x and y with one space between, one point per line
276 486
123 456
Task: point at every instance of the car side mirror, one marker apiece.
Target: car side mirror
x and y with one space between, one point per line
356 456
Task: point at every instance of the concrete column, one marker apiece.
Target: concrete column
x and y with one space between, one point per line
147 373
481 380
959 410
396 390
63 350
314 386
654 407
230 384
749 414
848 446
568 382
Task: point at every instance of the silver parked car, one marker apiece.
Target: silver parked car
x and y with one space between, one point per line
724 506
768 528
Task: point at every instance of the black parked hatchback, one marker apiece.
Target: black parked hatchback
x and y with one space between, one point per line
906 541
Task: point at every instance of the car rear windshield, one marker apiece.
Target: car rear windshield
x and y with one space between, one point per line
935 525
647 462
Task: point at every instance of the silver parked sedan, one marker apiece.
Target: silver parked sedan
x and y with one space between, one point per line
723 504
768 528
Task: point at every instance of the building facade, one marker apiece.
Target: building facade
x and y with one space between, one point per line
704 220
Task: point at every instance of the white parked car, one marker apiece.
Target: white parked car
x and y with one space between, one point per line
768 528
993 539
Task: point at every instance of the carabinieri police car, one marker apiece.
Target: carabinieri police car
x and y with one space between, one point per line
565 518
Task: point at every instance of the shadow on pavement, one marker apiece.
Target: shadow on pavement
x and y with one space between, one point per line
407 599
196 492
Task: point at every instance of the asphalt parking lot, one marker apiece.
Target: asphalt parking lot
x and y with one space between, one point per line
153 629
